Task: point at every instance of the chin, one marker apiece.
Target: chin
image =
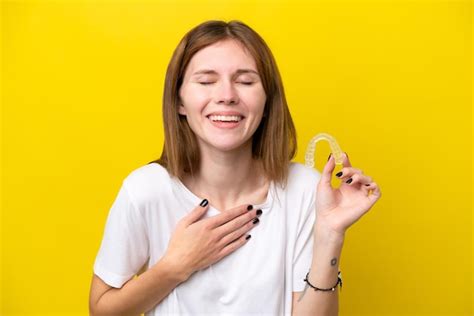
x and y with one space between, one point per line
226 147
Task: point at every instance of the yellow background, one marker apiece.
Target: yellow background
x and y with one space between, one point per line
82 83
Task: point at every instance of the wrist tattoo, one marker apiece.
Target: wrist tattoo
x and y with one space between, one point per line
334 261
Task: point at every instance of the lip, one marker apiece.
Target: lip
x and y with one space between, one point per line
227 113
225 125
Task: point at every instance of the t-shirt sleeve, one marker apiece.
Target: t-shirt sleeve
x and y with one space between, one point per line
303 251
124 247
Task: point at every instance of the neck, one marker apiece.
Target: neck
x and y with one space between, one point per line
229 179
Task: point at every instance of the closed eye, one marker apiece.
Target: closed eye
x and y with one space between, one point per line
248 83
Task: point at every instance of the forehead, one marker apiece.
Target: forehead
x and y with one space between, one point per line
222 56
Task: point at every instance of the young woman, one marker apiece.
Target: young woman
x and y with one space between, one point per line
224 223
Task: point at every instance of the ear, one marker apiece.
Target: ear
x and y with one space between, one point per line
182 110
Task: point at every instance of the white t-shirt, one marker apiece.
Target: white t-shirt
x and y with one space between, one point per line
256 279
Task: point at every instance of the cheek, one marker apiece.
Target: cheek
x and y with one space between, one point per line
194 98
257 99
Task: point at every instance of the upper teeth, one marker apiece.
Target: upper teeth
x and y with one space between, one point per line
225 118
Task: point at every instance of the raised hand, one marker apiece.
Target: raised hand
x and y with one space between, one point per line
338 208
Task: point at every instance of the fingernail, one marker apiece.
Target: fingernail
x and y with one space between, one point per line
249 207
329 156
204 202
339 174
248 237
349 181
367 184
259 212
255 221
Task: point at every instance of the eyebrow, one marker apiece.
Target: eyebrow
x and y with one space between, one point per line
213 72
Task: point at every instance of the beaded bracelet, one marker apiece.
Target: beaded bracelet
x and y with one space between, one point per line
339 281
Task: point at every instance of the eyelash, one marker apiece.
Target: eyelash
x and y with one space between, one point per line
245 83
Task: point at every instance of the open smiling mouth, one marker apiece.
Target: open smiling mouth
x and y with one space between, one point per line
226 121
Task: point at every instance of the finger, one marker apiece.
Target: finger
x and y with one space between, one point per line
347 172
358 178
375 194
237 231
345 160
228 215
196 213
231 247
245 220
326 174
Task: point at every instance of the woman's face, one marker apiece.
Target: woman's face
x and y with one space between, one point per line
222 96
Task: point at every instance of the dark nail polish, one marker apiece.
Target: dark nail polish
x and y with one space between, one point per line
367 184
204 202
339 174
349 181
259 212
248 237
329 156
250 207
255 221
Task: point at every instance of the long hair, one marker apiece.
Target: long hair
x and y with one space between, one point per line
274 141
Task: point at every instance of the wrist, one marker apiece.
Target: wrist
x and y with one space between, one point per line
174 269
328 235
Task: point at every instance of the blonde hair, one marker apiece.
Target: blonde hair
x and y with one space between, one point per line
274 141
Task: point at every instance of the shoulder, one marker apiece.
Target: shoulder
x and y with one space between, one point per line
147 173
302 177
147 182
301 191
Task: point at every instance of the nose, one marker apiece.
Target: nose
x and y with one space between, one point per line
226 93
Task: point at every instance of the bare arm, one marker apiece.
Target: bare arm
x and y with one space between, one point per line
324 270
194 245
337 209
138 295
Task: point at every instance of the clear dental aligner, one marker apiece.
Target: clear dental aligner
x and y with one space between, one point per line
335 149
